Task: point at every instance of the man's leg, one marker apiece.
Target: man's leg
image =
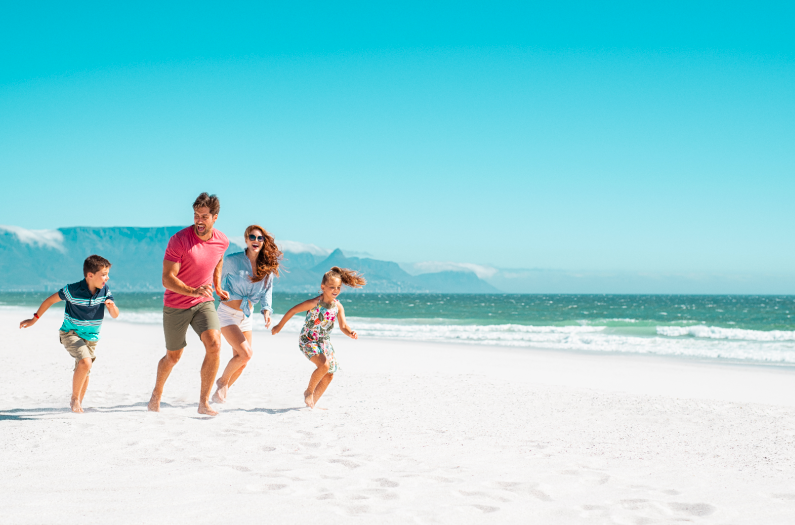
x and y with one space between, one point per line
164 368
212 360
80 377
242 354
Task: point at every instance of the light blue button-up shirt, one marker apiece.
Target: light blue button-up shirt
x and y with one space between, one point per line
236 279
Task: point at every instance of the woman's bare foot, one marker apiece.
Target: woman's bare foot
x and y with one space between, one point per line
75 406
220 393
154 404
309 399
207 410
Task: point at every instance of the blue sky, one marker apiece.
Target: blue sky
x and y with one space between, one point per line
572 136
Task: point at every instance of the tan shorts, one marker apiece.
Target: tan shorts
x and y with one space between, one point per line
78 347
201 318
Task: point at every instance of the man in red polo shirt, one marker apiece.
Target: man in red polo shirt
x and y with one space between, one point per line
194 259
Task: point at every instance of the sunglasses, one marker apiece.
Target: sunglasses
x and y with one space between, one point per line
252 237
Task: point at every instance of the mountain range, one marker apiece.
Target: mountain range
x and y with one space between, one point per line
46 260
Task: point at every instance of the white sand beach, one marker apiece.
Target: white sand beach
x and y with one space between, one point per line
410 433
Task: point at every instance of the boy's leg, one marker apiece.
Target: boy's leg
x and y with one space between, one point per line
79 381
321 363
321 386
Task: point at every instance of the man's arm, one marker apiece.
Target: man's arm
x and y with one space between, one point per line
45 305
171 282
217 273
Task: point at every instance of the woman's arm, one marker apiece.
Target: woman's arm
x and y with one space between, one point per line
344 324
266 298
45 305
302 307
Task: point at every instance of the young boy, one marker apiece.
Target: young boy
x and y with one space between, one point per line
85 308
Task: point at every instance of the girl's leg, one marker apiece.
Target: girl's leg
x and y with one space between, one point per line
78 380
321 363
242 354
321 386
247 334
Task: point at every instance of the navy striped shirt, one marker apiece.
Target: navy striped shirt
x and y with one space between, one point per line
84 311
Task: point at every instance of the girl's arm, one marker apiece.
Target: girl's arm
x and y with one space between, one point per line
51 300
344 324
302 307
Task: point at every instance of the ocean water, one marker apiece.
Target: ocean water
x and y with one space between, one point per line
758 329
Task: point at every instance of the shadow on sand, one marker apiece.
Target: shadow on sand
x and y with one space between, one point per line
34 414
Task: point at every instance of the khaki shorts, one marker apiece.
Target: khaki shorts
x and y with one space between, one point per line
201 318
77 347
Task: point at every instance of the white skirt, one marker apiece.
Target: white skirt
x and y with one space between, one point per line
229 316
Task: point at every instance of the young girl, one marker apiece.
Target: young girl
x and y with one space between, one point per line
315 342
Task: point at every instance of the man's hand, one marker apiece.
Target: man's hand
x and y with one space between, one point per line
28 322
205 290
222 294
267 316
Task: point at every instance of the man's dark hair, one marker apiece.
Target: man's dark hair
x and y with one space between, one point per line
93 264
210 201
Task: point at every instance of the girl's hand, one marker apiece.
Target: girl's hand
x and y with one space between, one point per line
354 335
276 329
27 322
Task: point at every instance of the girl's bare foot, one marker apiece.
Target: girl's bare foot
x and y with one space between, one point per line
309 399
75 406
220 392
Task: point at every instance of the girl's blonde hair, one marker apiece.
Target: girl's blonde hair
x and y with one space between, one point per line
348 277
268 257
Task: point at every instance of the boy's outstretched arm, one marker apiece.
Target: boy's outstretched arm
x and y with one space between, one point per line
302 307
344 328
45 305
113 310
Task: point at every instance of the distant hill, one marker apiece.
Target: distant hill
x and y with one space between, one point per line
36 260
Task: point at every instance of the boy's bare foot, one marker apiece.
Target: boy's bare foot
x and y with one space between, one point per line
309 399
220 393
154 404
75 406
207 410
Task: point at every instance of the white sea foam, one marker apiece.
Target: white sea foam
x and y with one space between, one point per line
695 341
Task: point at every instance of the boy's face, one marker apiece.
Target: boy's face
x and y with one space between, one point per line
203 221
98 280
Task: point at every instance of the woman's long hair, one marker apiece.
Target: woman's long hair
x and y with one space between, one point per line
268 257
348 277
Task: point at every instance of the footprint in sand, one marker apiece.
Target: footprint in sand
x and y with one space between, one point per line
694 509
387 482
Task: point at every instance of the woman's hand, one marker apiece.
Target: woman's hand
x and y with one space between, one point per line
267 316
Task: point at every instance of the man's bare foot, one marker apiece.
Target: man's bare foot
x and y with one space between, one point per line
154 404
309 399
75 406
207 410
220 393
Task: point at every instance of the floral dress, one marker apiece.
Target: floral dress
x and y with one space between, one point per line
316 335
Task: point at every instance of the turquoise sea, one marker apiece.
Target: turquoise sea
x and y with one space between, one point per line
745 328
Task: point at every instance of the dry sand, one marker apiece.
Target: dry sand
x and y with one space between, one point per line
412 433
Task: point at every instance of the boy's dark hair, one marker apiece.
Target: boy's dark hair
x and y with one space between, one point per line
210 201
93 264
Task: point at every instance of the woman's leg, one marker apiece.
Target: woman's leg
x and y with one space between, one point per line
321 386
321 363
247 334
242 354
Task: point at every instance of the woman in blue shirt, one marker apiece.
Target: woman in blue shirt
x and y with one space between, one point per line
248 278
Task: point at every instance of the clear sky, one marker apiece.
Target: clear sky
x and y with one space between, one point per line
565 135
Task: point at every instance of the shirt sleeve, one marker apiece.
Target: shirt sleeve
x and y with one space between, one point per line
267 296
108 295
62 293
174 250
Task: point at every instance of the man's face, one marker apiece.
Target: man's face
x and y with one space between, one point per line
203 221
98 280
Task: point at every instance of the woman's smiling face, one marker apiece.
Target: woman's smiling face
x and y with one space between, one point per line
255 245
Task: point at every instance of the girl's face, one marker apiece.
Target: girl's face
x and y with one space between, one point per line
331 289
254 241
